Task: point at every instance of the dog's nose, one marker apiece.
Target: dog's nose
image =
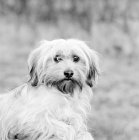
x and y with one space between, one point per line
68 73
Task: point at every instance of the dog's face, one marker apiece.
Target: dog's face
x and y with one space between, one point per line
67 65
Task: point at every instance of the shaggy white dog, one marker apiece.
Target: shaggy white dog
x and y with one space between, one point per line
55 102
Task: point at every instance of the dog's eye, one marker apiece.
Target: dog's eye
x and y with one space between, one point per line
57 58
75 58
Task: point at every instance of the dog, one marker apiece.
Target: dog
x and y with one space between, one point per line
54 103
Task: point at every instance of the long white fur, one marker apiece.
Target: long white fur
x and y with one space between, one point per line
45 113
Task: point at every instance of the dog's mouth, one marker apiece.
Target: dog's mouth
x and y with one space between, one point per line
68 79
66 85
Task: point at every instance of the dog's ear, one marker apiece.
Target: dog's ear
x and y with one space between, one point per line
32 66
35 61
94 69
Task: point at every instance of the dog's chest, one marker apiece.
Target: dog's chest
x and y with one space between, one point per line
52 114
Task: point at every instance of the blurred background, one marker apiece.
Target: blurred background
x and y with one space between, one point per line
111 27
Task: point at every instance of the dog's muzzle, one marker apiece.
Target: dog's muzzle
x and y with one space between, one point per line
66 85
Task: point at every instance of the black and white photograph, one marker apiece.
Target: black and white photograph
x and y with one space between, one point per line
69 69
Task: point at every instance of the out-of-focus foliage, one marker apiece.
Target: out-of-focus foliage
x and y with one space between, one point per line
83 11
111 27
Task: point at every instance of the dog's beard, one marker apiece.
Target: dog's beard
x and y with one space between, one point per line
65 85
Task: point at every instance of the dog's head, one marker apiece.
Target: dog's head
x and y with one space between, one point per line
64 64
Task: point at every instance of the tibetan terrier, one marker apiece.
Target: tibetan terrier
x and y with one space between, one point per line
55 102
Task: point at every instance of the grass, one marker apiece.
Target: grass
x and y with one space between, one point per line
116 98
